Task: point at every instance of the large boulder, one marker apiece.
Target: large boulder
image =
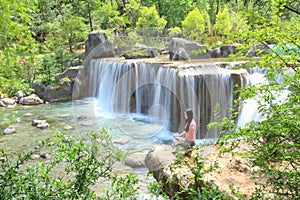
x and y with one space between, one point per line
136 160
54 94
31 100
193 49
97 46
62 93
70 73
158 158
228 49
181 54
39 89
7 102
94 39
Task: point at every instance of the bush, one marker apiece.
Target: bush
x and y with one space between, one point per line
194 25
76 164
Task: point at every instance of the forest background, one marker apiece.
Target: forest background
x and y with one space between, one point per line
40 38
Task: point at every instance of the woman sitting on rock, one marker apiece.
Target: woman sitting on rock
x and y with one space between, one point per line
189 131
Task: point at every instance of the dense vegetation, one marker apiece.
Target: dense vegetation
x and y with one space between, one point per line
38 38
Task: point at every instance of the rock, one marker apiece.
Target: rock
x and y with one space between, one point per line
31 100
2 104
97 46
227 49
193 49
7 102
258 50
9 130
70 73
67 127
51 94
95 38
20 94
122 140
80 117
2 159
37 121
231 169
136 160
42 124
158 161
62 93
159 157
216 53
88 123
140 51
39 89
181 54
35 156
45 156
28 115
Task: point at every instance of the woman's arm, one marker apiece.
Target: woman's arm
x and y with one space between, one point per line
176 134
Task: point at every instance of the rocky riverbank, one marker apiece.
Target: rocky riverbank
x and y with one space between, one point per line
232 170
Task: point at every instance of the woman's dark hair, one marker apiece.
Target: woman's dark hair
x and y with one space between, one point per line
189 119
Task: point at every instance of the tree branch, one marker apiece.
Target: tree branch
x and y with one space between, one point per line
292 9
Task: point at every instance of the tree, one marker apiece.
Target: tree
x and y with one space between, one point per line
149 18
223 25
275 139
69 30
17 45
194 25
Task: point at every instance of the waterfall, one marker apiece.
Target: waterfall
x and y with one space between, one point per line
162 92
250 108
249 111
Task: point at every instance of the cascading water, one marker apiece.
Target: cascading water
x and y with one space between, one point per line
159 94
249 111
250 108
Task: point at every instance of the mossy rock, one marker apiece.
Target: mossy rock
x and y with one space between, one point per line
136 53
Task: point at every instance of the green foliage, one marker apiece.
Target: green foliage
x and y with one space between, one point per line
175 32
17 46
109 16
68 31
150 18
238 22
76 165
122 187
194 25
51 64
275 139
223 25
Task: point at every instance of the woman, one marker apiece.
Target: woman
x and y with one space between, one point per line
189 130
